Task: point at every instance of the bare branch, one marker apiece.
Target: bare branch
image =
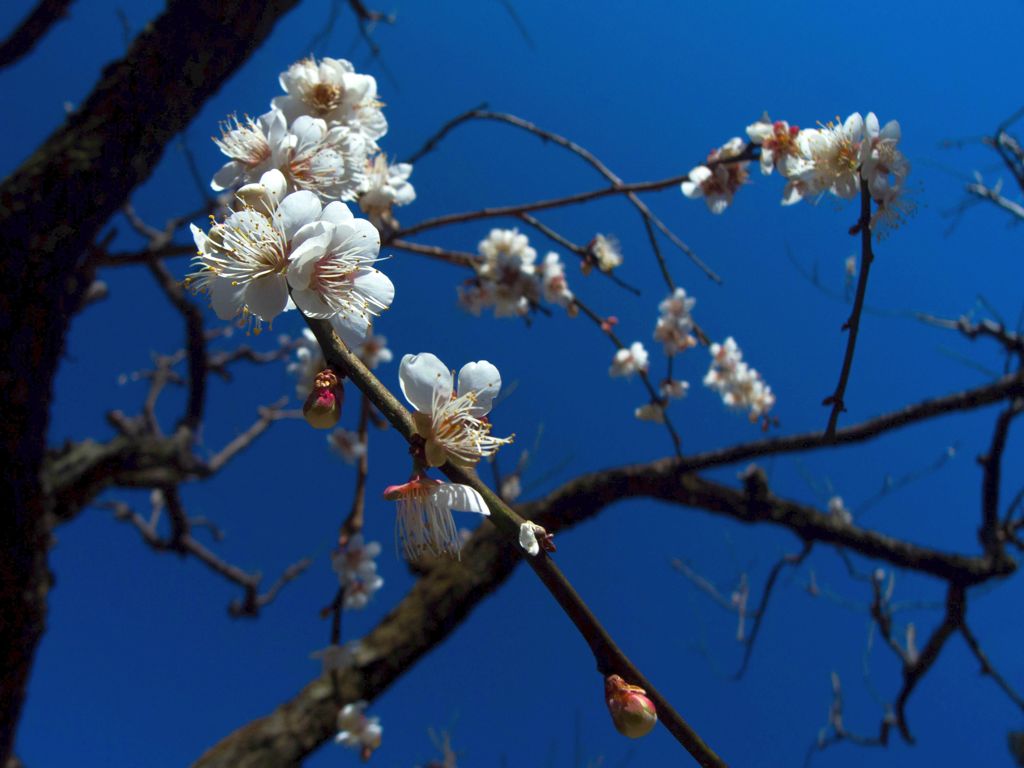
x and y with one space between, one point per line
32 29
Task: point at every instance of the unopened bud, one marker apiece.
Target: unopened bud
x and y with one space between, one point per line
632 712
323 406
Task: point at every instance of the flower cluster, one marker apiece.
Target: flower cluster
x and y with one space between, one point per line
604 252
739 385
509 279
452 422
281 247
837 158
719 178
357 731
357 571
629 360
675 323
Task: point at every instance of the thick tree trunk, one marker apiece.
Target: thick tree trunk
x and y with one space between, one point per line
51 210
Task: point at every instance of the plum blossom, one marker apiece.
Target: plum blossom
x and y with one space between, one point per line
718 180
506 275
424 523
603 251
674 389
385 186
357 571
629 360
555 286
337 657
248 262
675 325
838 511
739 385
357 731
832 159
778 144
530 537
883 166
330 162
452 420
654 412
250 145
347 445
333 91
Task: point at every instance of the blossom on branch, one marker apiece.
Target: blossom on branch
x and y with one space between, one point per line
718 180
739 385
357 731
555 286
778 144
452 420
385 186
506 276
333 91
347 445
357 571
424 521
337 658
250 147
603 251
629 360
277 241
675 325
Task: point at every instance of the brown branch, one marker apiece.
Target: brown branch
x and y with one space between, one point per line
648 216
852 325
989 534
32 29
608 657
986 665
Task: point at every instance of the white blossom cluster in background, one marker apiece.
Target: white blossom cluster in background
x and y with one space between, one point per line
675 323
358 731
740 386
291 241
835 158
356 567
509 280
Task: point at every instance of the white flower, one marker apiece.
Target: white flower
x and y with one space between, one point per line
337 657
832 159
675 325
850 266
739 385
332 91
606 251
330 269
674 389
838 510
347 445
250 145
330 162
556 289
308 362
629 360
528 535
243 261
718 180
651 412
356 730
357 571
248 262
506 275
385 186
424 521
452 421
778 144
883 166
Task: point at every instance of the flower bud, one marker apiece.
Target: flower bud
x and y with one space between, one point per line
322 408
632 712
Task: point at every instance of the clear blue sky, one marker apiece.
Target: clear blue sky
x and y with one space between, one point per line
141 666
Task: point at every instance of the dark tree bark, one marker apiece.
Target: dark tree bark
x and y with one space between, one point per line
51 210
32 29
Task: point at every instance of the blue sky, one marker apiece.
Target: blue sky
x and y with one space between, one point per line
141 666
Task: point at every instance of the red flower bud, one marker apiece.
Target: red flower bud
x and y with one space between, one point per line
322 408
632 712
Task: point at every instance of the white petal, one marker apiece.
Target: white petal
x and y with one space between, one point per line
463 498
311 304
297 209
275 184
358 234
871 125
266 296
336 213
419 375
351 329
228 176
226 297
483 378
528 539
377 288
